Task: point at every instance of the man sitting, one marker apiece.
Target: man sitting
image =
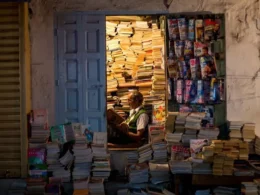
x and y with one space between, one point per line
131 132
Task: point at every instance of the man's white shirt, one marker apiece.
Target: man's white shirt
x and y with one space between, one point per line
142 120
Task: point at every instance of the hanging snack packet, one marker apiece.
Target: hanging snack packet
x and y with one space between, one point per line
179 48
191 33
214 90
173 29
203 67
188 50
209 29
193 92
171 49
199 30
199 49
172 68
188 84
179 91
206 87
218 31
182 28
200 92
193 68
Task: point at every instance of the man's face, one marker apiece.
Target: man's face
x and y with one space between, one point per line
132 103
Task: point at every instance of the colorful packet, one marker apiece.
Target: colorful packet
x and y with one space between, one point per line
172 68
189 49
188 84
171 49
199 30
218 31
193 92
209 29
214 90
182 69
187 62
179 91
173 29
179 48
191 33
182 28
204 68
206 87
200 92
193 68
199 49
36 156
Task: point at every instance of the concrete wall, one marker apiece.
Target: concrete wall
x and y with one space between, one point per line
242 48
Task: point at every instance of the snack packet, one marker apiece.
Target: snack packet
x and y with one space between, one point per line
173 29
179 91
193 68
214 90
218 31
188 50
200 92
204 68
179 48
182 28
191 33
172 68
182 69
199 49
188 84
171 49
206 87
199 30
209 29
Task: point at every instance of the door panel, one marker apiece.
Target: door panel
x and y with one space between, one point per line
94 72
69 78
81 71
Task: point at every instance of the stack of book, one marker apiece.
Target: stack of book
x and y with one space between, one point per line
138 173
131 157
188 135
101 164
170 121
235 129
159 151
248 133
203 192
159 173
145 153
173 139
180 122
250 188
193 120
223 165
53 153
111 28
37 152
225 191
180 167
62 133
202 168
257 145
96 186
208 133
78 130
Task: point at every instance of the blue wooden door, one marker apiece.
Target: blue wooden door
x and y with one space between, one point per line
68 72
94 74
81 70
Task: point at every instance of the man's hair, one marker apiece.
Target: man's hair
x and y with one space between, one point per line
137 96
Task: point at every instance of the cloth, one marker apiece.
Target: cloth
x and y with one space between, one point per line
142 120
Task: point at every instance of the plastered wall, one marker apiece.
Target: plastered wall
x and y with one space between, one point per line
242 47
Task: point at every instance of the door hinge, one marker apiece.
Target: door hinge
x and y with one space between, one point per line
55 32
57 82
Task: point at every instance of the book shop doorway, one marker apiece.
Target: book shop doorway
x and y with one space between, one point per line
84 46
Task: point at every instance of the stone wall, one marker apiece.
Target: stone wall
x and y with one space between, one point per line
242 46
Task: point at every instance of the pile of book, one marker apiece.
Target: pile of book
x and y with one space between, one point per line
180 166
132 157
223 165
138 173
193 120
188 135
225 191
173 139
37 152
170 121
249 188
101 158
159 173
202 168
180 122
145 153
235 129
96 186
208 133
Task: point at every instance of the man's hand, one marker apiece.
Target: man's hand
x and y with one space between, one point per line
123 127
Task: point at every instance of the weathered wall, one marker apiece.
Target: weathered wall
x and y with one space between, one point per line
242 47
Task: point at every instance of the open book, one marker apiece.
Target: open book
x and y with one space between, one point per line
113 117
